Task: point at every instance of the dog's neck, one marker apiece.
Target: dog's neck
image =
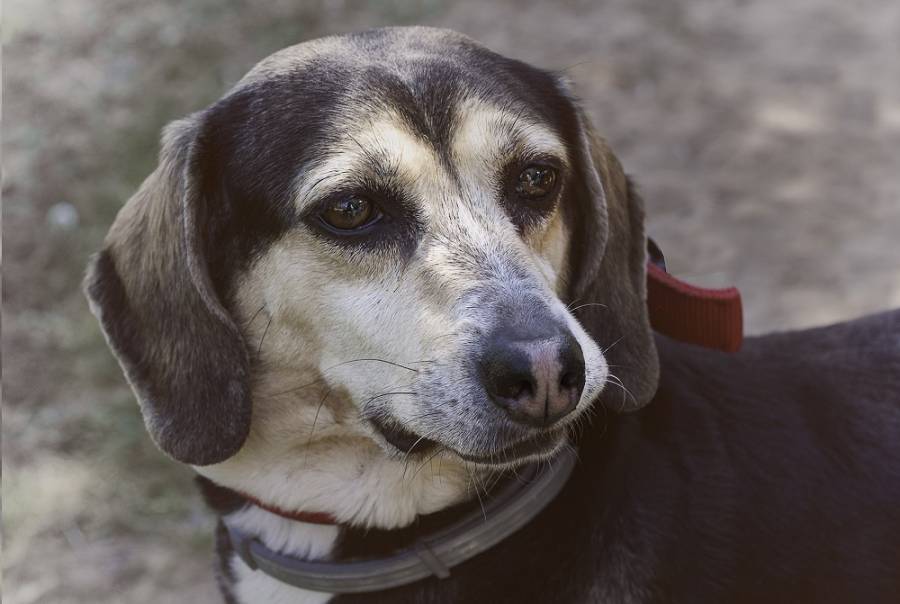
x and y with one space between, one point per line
341 472
359 486
353 481
512 503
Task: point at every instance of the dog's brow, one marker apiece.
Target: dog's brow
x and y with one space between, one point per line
383 147
487 132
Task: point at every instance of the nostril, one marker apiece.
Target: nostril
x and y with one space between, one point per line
514 389
570 379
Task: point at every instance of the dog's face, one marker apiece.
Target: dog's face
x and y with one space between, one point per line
395 237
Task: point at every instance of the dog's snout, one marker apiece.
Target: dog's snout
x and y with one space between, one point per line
536 381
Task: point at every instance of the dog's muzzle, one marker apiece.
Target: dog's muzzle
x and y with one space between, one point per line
536 379
524 372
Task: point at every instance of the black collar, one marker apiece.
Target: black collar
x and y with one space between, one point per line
435 553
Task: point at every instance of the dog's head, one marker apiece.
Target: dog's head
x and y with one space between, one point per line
397 237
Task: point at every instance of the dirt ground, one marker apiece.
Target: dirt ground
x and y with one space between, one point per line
765 137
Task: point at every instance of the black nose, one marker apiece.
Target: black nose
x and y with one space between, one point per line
536 381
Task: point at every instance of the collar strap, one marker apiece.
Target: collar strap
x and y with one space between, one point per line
433 554
712 318
299 516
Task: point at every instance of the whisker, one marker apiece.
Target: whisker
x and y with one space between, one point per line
316 381
256 314
569 446
315 419
374 360
263 338
422 465
588 304
625 391
477 493
418 440
608 348
569 305
383 394
427 414
312 383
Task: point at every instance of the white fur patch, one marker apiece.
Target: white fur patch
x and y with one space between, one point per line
301 539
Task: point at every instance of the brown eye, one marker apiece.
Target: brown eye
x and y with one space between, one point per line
349 213
536 181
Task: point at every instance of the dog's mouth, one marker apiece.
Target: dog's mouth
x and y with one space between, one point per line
534 446
410 443
402 439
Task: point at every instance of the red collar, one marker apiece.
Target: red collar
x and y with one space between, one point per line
310 517
707 317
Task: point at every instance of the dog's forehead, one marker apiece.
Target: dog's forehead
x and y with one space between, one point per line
425 75
389 47
362 48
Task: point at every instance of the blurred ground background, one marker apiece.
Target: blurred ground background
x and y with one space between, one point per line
765 137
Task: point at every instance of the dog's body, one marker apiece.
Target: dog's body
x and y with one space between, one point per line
399 250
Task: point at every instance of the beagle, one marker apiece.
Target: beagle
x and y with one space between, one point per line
389 270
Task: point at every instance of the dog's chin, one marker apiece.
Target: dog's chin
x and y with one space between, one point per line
505 455
538 446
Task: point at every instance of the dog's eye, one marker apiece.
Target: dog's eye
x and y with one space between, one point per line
350 213
536 181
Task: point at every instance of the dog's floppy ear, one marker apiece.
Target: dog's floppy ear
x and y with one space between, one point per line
608 271
151 290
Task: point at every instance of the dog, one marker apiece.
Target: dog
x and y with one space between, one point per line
389 270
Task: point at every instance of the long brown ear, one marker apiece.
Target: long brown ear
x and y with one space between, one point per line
151 290
608 272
